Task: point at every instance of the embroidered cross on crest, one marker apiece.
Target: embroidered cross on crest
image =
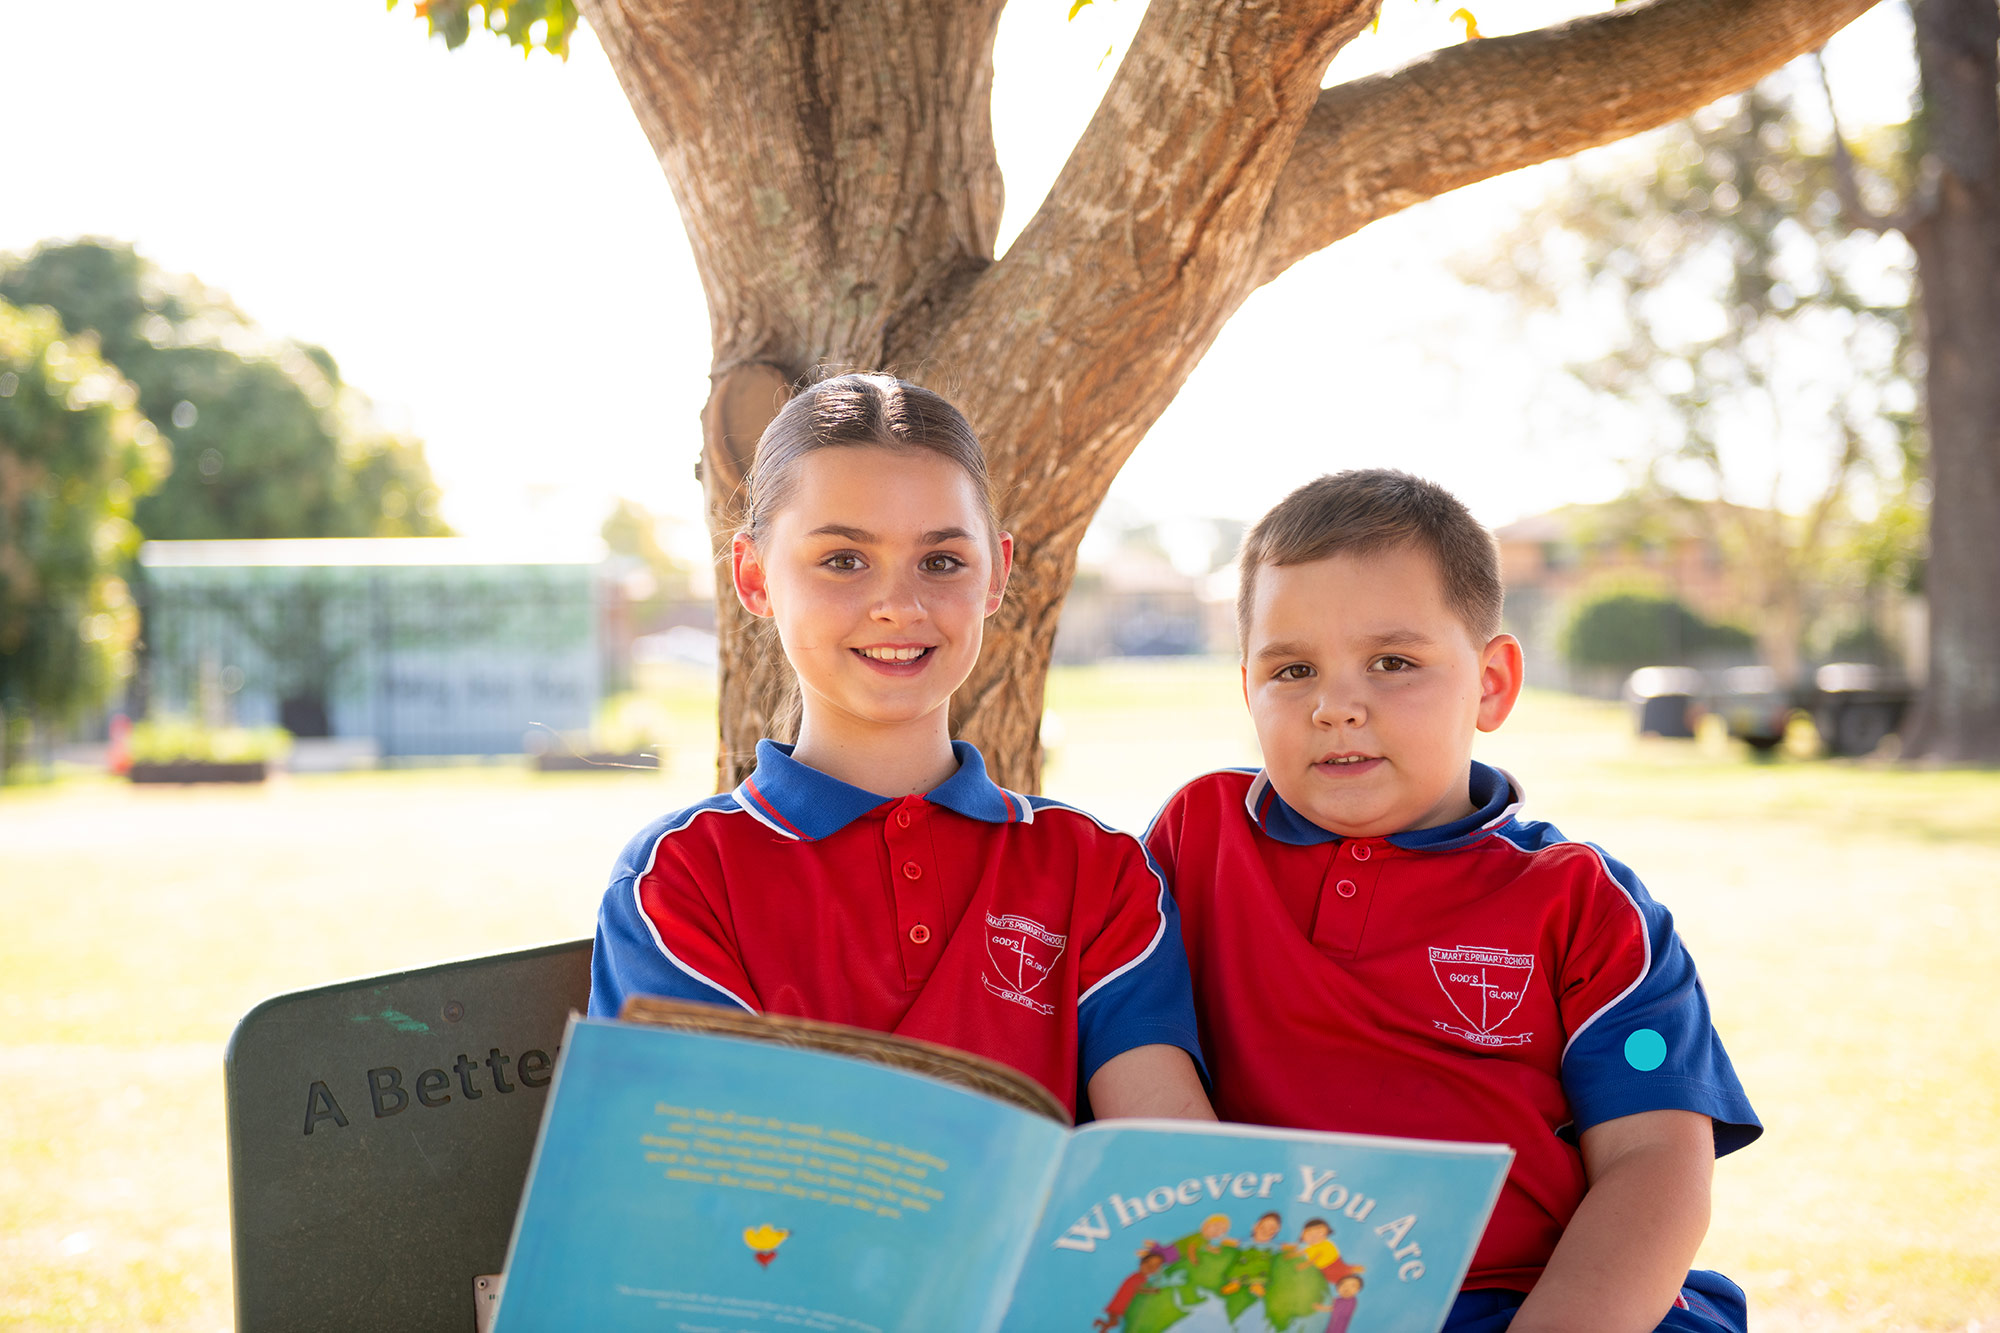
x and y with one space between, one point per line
1485 986
1022 952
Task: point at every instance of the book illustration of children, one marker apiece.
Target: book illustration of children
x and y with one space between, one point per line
1243 1283
1341 1308
1151 1260
1298 1282
1316 1244
1208 1253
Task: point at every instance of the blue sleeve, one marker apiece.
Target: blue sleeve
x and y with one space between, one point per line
629 956
1652 1046
1148 998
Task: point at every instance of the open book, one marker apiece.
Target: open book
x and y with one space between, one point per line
800 1175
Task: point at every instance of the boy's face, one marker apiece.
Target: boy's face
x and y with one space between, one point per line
1366 689
1266 1228
1313 1233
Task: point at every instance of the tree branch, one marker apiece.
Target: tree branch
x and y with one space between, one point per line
1146 242
1377 145
1846 182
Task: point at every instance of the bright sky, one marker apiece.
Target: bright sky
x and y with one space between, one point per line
490 251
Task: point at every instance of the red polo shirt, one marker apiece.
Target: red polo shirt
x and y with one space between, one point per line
1487 981
1011 926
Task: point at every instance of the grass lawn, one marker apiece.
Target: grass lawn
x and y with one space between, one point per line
1846 918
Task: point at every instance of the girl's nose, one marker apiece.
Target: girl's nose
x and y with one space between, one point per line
898 600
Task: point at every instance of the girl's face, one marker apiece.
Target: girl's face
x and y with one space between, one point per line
880 572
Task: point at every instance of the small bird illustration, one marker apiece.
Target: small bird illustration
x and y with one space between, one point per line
764 1241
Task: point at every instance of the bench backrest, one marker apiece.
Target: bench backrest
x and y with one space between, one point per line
379 1135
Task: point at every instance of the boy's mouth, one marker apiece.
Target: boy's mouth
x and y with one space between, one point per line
1348 765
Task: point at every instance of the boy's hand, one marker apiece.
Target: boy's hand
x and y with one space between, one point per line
1624 1256
1154 1080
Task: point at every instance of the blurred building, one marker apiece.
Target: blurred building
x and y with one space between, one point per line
407 646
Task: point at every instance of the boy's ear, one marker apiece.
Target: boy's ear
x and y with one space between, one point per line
1002 567
1500 676
746 571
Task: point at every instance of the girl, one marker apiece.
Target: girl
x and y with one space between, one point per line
872 874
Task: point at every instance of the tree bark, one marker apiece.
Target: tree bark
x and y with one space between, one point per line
1956 236
833 163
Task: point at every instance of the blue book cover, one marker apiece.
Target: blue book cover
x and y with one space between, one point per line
710 1184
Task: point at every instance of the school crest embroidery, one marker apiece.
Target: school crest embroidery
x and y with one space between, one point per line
1485 986
1022 952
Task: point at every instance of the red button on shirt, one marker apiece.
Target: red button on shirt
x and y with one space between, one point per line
911 870
920 934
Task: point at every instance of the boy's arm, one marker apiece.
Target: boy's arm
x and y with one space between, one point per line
1156 1080
1624 1256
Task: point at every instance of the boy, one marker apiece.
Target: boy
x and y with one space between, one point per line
1449 971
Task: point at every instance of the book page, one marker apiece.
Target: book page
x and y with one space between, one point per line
690 1183
1158 1225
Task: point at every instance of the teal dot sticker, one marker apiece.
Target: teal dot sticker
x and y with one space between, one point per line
1645 1050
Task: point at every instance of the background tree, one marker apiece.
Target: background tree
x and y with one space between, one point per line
834 166
266 439
74 455
1766 348
1947 204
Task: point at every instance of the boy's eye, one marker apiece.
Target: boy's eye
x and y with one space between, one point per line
1295 671
1392 663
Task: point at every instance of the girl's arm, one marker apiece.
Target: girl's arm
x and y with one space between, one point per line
1156 1080
1623 1258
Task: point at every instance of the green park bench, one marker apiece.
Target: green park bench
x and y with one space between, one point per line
379 1137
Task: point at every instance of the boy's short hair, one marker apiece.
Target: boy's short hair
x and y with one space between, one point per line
1368 510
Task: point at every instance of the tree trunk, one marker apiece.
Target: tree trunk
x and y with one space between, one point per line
1956 235
833 162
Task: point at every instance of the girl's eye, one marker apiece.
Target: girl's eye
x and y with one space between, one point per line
942 563
1296 671
844 561
1392 663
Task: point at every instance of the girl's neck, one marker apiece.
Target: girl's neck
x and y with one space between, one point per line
891 761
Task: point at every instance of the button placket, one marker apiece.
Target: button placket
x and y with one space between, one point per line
1346 890
914 887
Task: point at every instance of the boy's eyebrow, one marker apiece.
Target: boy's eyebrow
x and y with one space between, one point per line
1394 638
1401 637
1285 648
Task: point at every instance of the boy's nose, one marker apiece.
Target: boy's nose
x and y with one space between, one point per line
1338 709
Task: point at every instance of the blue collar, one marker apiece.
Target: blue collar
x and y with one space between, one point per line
799 801
1495 795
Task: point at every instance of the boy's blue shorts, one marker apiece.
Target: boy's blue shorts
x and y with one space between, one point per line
1714 1304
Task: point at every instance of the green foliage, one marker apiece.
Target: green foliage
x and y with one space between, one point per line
74 456
656 580
528 24
266 440
171 740
1766 348
1623 625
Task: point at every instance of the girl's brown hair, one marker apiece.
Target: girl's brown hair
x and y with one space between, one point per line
852 411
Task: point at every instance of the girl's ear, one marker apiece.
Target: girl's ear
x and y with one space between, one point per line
1001 569
746 571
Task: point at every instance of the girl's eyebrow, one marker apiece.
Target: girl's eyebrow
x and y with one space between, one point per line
931 538
842 531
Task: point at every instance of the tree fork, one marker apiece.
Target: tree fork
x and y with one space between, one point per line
834 166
